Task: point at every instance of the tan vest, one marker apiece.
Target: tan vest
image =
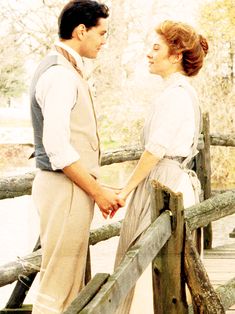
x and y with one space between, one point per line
83 124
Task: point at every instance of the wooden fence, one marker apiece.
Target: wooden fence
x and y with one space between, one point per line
102 291
174 258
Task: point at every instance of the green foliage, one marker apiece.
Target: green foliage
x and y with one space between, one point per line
12 72
218 19
216 83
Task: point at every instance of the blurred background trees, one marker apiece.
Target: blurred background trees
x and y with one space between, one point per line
216 84
121 84
12 71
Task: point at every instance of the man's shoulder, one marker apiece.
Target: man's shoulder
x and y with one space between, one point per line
52 59
55 64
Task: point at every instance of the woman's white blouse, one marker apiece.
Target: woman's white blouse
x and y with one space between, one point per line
170 125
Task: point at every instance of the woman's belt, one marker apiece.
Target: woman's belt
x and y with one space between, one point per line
176 158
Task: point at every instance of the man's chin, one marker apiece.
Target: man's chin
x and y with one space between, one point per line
92 56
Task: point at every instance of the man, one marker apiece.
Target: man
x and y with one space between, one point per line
67 154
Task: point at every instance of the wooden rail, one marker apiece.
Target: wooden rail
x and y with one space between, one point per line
195 216
217 207
21 185
168 280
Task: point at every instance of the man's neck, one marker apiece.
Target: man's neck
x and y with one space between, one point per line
71 44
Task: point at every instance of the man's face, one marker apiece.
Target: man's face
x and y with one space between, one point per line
93 39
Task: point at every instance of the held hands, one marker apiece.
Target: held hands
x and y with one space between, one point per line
109 202
123 197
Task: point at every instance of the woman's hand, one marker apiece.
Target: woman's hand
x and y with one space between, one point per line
122 196
108 201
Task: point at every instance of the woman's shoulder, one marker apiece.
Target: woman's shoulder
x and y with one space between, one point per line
180 94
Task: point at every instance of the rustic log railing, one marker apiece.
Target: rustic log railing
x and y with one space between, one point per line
103 288
163 244
217 207
21 185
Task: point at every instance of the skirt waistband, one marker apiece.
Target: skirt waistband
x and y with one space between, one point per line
180 159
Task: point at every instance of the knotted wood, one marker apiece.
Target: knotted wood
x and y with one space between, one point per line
218 206
168 280
22 287
137 258
205 299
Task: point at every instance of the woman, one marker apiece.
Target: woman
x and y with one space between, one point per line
170 134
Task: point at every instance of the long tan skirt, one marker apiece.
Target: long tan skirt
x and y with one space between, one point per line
65 213
138 218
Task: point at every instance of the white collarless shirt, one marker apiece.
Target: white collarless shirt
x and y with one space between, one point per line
56 94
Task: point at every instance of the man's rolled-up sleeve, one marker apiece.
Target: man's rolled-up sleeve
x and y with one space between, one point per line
56 93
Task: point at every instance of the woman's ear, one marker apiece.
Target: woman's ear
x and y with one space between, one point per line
79 31
176 58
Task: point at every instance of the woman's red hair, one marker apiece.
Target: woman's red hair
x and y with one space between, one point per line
182 38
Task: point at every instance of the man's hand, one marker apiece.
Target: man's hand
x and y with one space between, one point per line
108 201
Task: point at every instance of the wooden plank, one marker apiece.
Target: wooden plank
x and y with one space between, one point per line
220 255
168 280
230 246
205 300
134 263
220 265
205 174
88 267
226 294
203 169
232 234
25 309
87 293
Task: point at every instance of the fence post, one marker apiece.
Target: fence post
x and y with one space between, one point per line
168 280
203 169
22 287
88 267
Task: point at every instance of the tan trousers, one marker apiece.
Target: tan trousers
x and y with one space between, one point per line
66 213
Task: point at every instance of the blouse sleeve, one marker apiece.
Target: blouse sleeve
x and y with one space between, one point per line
172 114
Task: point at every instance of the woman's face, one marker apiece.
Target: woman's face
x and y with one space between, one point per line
160 62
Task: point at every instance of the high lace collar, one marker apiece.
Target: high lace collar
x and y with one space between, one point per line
175 78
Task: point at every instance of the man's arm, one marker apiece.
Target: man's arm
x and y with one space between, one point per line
106 199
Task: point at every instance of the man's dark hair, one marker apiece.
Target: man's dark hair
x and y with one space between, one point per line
78 12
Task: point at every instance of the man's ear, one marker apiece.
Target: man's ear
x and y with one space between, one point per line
79 31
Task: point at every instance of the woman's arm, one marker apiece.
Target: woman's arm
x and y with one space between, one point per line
145 165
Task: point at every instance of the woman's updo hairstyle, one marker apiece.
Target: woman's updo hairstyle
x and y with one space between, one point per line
182 38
